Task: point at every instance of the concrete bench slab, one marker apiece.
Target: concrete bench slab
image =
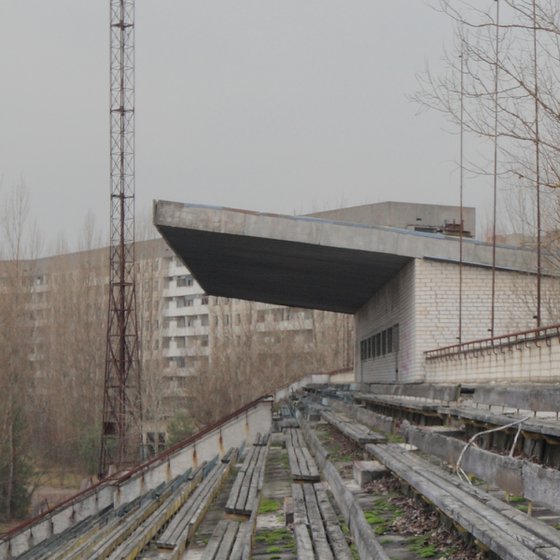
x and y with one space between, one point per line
366 471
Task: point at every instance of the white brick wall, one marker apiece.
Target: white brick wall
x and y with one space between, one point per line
393 304
437 303
424 300
523 363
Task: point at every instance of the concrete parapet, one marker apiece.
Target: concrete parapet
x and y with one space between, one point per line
364 416
124 487
447 393
515 476
543 398
367 471
361 531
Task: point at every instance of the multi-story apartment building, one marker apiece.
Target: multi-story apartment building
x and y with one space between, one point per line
184 333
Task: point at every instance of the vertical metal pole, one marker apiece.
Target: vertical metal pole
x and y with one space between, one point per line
461 182
122 406
537 164
495 183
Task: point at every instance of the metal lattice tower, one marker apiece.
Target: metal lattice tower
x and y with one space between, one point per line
122 407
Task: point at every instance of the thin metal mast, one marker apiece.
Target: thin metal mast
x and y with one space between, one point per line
122 407
537 165
461 185
495 174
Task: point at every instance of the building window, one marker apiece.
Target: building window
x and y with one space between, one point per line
180 341
183 281
204 300
380 344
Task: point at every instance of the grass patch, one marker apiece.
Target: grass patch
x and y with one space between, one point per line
422 547
337 454
523 508
274 548
515 499
269 506
284 459
280 537
373 518
395 438
382 515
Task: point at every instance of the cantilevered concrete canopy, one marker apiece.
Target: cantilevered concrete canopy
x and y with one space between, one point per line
304 261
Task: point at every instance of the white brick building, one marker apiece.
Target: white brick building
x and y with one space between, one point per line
420 308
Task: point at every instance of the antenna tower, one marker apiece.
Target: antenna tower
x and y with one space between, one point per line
122 407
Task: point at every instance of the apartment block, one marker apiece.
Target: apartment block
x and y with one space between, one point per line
180 327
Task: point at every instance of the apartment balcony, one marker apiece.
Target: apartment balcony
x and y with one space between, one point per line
196 350
176 269
174 352
173 330
288 325
173 310
173 291
187 331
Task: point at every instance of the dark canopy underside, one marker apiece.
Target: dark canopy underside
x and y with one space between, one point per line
282 272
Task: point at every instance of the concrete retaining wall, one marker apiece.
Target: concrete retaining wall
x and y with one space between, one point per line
364 416
516 476
124 488
336 378
361 531
524 363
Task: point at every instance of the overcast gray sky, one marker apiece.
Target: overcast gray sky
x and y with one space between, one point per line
282 106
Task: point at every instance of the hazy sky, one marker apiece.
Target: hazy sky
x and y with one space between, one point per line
282 106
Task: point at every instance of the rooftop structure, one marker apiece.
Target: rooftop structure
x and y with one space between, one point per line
429 218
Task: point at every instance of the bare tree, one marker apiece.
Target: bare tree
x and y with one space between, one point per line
70 379
256 349
15 350
523 50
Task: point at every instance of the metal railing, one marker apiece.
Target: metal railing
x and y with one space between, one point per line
497 343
